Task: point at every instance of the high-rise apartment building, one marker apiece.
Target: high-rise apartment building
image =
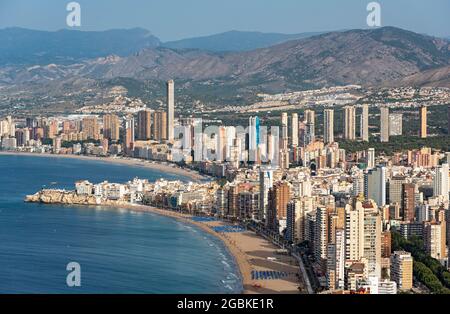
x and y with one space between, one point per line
129 135
349 123
364 125
402 270
294 130
375 185
309 134
253 139
328 125
354 232
396 124
409 202
432 236
423 122
170 110
440 182
111 127
144 124
265 184
384 124
321 235
284 131
160 125
278 198
372 243
90 128
371 158
396 189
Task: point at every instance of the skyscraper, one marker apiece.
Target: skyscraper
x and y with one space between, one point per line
440 182
144 125
396 124
321 234
221 148
384 124
170 110
372 242
423 122
402 270
160 125
284 131
310 127
396 189
375 185
278 198
294 130
354 232
129 135
265 183
432 236
253 138
336 261
408 201
364 125
349 123
328 123
310 116
111 127
90 127
371 158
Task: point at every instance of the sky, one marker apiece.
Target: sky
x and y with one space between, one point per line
176 19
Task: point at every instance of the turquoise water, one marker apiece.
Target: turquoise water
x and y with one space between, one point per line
119 251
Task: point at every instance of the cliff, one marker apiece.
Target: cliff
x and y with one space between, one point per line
62 197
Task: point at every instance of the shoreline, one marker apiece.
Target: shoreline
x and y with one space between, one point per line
245 262
134 162
250 251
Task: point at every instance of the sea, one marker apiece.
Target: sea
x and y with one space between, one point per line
113 250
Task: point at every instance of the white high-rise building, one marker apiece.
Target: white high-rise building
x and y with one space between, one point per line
294 130
372 243
236 152
364 126
358 184
170 110
371 158
349 123
354 232
328 124
396 124
284 131
384 124
440 182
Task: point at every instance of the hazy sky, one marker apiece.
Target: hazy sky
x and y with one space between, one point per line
175 19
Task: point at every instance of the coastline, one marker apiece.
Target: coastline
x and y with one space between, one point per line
155 165
249 251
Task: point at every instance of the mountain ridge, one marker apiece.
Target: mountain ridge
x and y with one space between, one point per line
371 58
235 41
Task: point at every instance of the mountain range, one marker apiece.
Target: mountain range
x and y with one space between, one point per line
385 56
236 41
31 47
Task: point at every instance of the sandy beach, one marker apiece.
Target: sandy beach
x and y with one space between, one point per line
251 252
171 168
